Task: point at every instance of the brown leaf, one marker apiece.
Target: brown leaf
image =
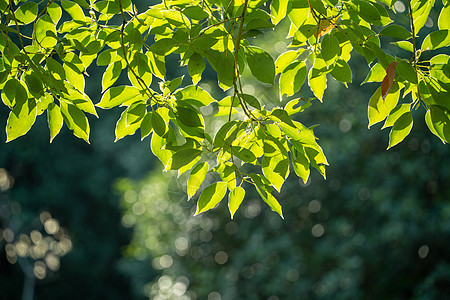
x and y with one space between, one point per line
388 80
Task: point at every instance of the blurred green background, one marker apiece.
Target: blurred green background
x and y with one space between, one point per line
102 221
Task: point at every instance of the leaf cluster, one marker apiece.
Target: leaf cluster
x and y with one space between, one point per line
46 70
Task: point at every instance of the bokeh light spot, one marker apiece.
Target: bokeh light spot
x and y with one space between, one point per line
314 206
318 230
423 251
399 6
221 257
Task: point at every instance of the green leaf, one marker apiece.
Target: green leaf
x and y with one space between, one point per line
376 74
235 198
444 18
278 10
284 60
265 191
45 32
122 129
111 74
55 12
405 45
438 121
163 47
158 123
76 121
396 31
402 127
194 95
74 10
13 93
135 113
297 105
261 64
330 49
420 12
275 163
366 11
75 78
211 196
196 178
195 12
196 66
252 101
436 39
20 119
183 157
140 67
119 95
396 113
406 71
189 117
342 71
227 172
379 109
317 85
146 125
170 86
292 78
223 64
26 13
300 163
55 120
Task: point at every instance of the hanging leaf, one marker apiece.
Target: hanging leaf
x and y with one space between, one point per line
402 127
292 78
235 198
380 107
20 119
76 121
406 71
261 64
55 120
211 196
265 191
196 178
120 95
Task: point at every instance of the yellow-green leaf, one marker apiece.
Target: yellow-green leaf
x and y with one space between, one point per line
211 196
196 178
20 119
45 32
235 198
55 120
380 108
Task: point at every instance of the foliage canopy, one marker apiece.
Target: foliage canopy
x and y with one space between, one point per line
47 47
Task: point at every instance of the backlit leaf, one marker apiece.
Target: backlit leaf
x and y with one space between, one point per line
261 64
20 119
55 120
402 127
196 178
379 107
235 198
45 32
436 39
211 196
